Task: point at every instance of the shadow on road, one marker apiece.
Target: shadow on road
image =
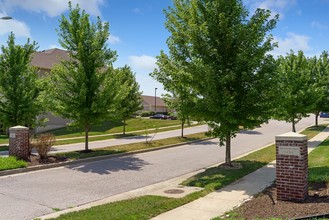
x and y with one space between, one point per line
112 165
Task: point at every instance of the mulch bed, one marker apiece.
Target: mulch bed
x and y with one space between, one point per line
35 160
262 207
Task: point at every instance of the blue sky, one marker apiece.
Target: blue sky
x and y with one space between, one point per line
138 33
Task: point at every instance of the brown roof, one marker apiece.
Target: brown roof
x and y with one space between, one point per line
150 100
47 58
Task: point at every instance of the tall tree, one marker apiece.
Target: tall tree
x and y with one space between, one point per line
130 97
320 77
83 89
221 52
298 94
19 85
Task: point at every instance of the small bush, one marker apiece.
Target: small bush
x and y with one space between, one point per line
43 144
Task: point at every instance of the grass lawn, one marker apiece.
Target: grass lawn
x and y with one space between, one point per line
9 163
108 128
146 207
112 127
318 161
133 147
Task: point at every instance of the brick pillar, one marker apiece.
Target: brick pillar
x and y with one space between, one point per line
291 167
19 142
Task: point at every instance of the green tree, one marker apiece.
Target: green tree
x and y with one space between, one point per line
320 77
221 53
83 89
130 98
19 85
298 94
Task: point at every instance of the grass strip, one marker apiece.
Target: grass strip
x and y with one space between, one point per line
312 131
112 127
318 163
9 163
132 147
146 207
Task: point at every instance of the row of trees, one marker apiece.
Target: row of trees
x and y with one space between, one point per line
86 88
219 69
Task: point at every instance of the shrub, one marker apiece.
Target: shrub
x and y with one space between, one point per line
43 144
147 114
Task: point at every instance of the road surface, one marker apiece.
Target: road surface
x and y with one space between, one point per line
28 195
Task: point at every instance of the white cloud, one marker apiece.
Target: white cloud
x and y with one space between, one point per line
20 29
51 7
319 25
276 6
293 42
143 63
113 39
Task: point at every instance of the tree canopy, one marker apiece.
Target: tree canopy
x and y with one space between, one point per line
19 85
219 53
298 91
83 89
130 98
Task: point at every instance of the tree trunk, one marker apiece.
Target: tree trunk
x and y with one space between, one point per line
86 139
228 161
293 126
124 126
316 118
182 130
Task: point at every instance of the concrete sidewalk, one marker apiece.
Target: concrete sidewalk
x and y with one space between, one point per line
218 203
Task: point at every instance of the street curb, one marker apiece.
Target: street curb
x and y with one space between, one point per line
91 159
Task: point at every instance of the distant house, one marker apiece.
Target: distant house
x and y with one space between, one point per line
156 104
45 61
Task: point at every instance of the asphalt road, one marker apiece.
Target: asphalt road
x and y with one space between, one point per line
26 196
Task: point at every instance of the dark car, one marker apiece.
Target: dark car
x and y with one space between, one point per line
324 115
158 116
172 117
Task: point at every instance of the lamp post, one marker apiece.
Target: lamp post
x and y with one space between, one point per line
155 100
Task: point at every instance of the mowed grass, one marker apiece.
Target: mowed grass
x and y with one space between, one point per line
313 130
318 161
112 127
146 207
9 163
133 147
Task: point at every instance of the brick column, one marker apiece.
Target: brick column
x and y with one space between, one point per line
291 167
19 142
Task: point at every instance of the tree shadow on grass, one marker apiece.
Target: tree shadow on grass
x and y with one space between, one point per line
220 176
111 165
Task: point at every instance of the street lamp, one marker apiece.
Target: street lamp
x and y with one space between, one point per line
6 18
155 100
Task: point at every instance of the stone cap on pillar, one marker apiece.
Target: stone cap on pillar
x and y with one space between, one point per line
19 127
291 136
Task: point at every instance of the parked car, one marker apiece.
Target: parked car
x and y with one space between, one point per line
172 117
324 115
159 116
